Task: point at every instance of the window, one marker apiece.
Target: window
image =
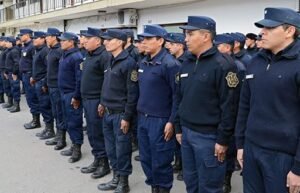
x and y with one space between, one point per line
20 3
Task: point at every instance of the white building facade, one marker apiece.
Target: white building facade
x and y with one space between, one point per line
75 15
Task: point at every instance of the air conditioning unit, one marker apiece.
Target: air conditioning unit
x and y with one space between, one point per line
127 17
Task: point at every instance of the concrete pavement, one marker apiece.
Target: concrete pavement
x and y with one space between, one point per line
27 165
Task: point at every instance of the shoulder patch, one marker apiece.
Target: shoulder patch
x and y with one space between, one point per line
134 76
232 80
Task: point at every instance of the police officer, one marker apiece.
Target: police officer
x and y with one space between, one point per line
134 53
27 53
250 44
69 77
118 103
204 122
2 48
54 55
81 43
12 71
38 79
6 84
131 49
239 51
177 49
97 59
225 44
267 130
156 108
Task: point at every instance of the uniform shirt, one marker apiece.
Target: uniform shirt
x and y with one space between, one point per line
12 60
269 107
206 95
53 58
157 85
27 53
243 57
69 73
93 73
182 57
120 87
39 63
252 51
2 59
133 52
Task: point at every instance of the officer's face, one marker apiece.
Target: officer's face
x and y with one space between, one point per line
152 44
8 44
258 44
39 41
82 41
275 39
24 37
196 40
92 43
224 48
140 47
249 42
168 45
50 40
113 44
66 44
175 48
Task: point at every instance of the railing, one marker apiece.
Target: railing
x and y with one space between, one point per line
26 8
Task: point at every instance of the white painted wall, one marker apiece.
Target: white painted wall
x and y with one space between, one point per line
230 15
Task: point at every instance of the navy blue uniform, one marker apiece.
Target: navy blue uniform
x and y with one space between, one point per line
133 52
26 69
12 68
1 70
69 76
39 73
53 58
119 97
268 120
6 83
243 56
156 107
205 117
91 86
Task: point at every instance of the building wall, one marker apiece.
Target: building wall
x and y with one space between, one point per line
230 15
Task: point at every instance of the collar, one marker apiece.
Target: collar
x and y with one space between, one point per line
39 48
157 59
28 43
130 48
205 54
56 46
240 53
123 55
290 52
70 51
97 51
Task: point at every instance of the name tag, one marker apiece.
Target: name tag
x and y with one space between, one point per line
141 70
249 76
24 54
105 70
184 75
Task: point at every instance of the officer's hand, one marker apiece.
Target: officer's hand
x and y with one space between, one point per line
75 103
220 152
44 89
179 138
124 126
293 182
14 77
101 110
239 157
32 81
169 131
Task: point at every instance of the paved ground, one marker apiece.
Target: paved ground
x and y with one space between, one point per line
29 166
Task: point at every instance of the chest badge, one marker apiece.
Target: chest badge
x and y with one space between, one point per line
232 80
134 76
81 66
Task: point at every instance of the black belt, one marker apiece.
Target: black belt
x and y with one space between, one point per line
113 111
